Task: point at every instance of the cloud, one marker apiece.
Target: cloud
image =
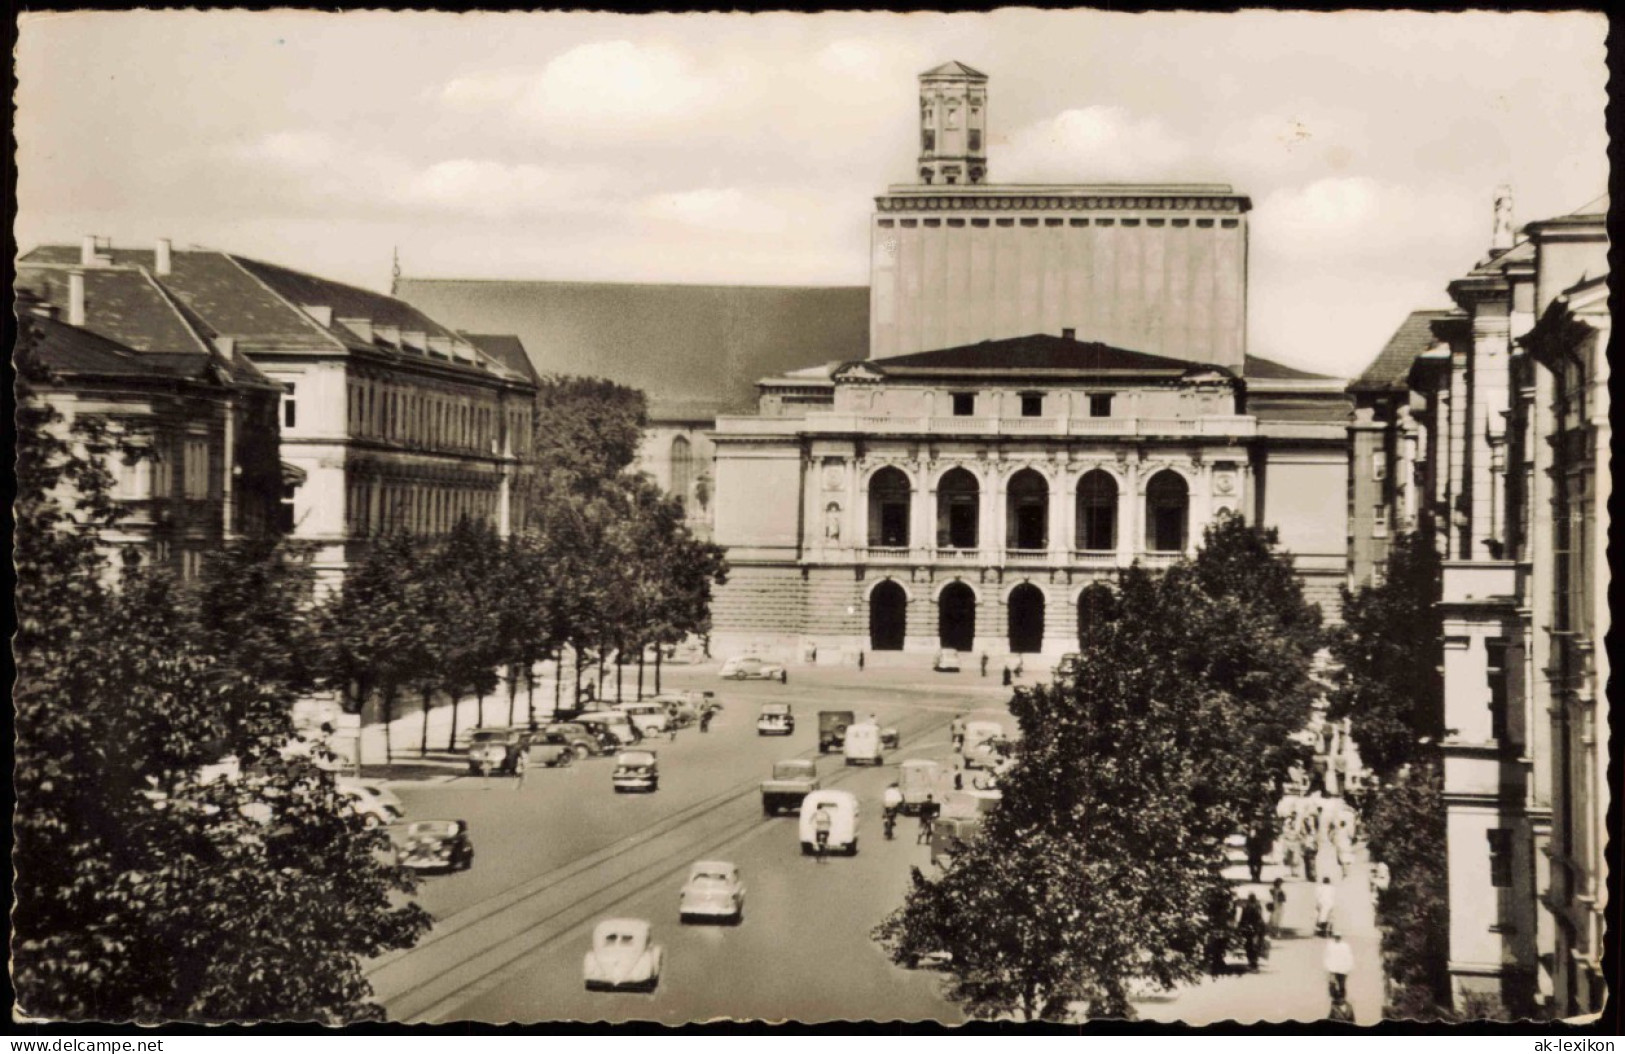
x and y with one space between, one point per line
1094 144
493 189
718 209
1350 219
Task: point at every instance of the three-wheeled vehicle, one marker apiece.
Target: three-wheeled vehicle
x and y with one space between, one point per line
636 770
918 779
832 725
842 808
979 749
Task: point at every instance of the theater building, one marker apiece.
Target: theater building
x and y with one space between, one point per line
1056 386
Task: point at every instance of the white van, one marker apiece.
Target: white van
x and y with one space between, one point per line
862 746
842 808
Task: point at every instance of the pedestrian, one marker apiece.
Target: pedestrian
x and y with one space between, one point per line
1257 843
1343 840
1251 927
956 732
705 719
1007 675
928 816
1311 845
860 662
1277 908
1325 904
1289 850
1339 962
984 664
1379 881
519 774
959 779
1019 666
784 675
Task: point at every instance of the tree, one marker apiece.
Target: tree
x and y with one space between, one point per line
1388 654
1406 825
587 433
144 891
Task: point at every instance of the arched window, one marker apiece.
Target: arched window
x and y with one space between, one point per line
1097 512
1027 511
888 508
958 510
682 469
1167 510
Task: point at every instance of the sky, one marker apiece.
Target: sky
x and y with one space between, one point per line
748 149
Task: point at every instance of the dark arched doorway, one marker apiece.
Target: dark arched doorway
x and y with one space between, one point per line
956 617
1027 511
1097 606
1026 619
888 617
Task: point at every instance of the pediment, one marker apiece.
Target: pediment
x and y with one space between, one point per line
858 373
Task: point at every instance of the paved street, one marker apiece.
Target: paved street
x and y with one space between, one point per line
563 851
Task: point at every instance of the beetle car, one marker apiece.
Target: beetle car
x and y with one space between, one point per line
775 720
504 750
581 741
713 891
636 770
374 803
750 668
436 845
622 956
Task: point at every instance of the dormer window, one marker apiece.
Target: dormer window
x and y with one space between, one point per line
1032 404
964 404
1100 405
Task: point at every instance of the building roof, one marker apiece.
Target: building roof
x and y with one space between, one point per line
1257 368
506 349
73 350
954 69
1389 370
686 346
1037 353
267 308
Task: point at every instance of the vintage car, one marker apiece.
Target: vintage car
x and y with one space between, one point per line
636 770
980 749
435 845
947 661
951 835
775 719
376 804
583 742
609 724
842 808
792 780
862 745
919 779
648 717
1068 664
713 891
502 750
750 668
622 956
832 726
681 711
553 749
889 737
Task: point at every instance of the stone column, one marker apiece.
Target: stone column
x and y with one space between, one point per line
990 529
1129 501
922 513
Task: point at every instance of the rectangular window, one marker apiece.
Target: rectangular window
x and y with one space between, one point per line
1005 221
1104 222
1032 405
1495 672
1053 221
975 140
964 404
1029 221
290 406
1100 405
979 222
1500 857
195 468
1379 521
1379 466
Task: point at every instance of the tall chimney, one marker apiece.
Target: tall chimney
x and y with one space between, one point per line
1068 333
1501 233
87 251
160 259
76 298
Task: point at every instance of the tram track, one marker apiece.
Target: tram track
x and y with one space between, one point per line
476 949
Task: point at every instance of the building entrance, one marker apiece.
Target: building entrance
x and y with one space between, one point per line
888 617
1026 619
956 617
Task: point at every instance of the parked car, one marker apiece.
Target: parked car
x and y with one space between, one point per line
610 724
503 750
436 845
775 719
553 749
636 770
947 661
584 742
623 955
648 717
981 739
792 780
376 804
1068 664
843 814
750 668
862 745
713 890
919 779
832 725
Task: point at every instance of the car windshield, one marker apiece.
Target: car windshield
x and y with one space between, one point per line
709 878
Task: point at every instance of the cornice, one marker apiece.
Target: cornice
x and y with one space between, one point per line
1064 198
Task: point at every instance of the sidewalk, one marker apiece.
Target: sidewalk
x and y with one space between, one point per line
1291 985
